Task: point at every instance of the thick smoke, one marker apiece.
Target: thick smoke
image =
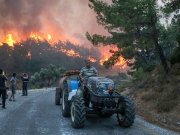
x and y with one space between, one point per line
62 19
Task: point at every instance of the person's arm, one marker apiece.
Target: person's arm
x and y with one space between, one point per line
4 74
12 80
80 75
95 71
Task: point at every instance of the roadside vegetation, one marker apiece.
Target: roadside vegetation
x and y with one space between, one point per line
150 47
147 37
46 77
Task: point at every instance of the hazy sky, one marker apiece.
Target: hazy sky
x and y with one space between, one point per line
62 19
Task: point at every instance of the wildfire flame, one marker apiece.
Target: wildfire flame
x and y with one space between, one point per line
105 54
49 37
9 40
91 59
103 59
35 36
70 53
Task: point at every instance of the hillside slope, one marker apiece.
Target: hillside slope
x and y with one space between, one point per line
157 96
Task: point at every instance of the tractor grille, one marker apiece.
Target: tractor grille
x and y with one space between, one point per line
109 102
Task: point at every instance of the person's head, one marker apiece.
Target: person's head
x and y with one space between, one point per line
1 71
14 74
87 62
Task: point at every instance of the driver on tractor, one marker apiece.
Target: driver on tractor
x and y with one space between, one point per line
86 72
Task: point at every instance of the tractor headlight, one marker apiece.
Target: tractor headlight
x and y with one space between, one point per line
110 85
102 86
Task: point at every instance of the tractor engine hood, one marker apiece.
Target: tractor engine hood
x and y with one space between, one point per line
100 85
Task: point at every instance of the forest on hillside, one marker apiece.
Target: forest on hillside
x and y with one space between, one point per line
145 33
31 55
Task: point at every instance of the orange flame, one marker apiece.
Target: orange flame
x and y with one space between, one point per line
70 53
49 37
35 36
103 59
105 56
9 40
91 59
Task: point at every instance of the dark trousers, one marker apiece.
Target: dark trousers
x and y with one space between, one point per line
25 89
22 89
3 95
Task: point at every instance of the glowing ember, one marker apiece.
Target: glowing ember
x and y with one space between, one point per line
29 55
9 40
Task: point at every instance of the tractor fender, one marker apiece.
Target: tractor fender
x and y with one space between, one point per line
61 82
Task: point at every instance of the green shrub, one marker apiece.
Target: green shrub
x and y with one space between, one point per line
139 74
35 87
150 67
175 57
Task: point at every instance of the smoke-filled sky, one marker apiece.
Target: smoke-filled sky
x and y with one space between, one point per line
62 19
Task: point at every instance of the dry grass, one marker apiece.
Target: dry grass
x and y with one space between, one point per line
159 100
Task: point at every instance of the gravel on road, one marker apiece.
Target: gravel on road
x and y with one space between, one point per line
37 114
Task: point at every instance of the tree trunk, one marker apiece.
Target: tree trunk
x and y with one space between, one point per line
159 49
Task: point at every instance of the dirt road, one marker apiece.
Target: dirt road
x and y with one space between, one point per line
37 114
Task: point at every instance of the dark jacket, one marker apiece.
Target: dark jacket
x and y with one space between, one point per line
25 79
2 83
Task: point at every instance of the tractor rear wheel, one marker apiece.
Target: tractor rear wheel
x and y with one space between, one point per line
57 98
77 111
126 119
65 102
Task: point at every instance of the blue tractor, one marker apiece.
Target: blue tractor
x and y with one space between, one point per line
97 97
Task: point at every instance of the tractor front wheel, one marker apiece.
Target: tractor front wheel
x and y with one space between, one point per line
77 111
126 118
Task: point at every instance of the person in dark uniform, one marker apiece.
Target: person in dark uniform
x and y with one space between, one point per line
25 81
22 84
3 80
